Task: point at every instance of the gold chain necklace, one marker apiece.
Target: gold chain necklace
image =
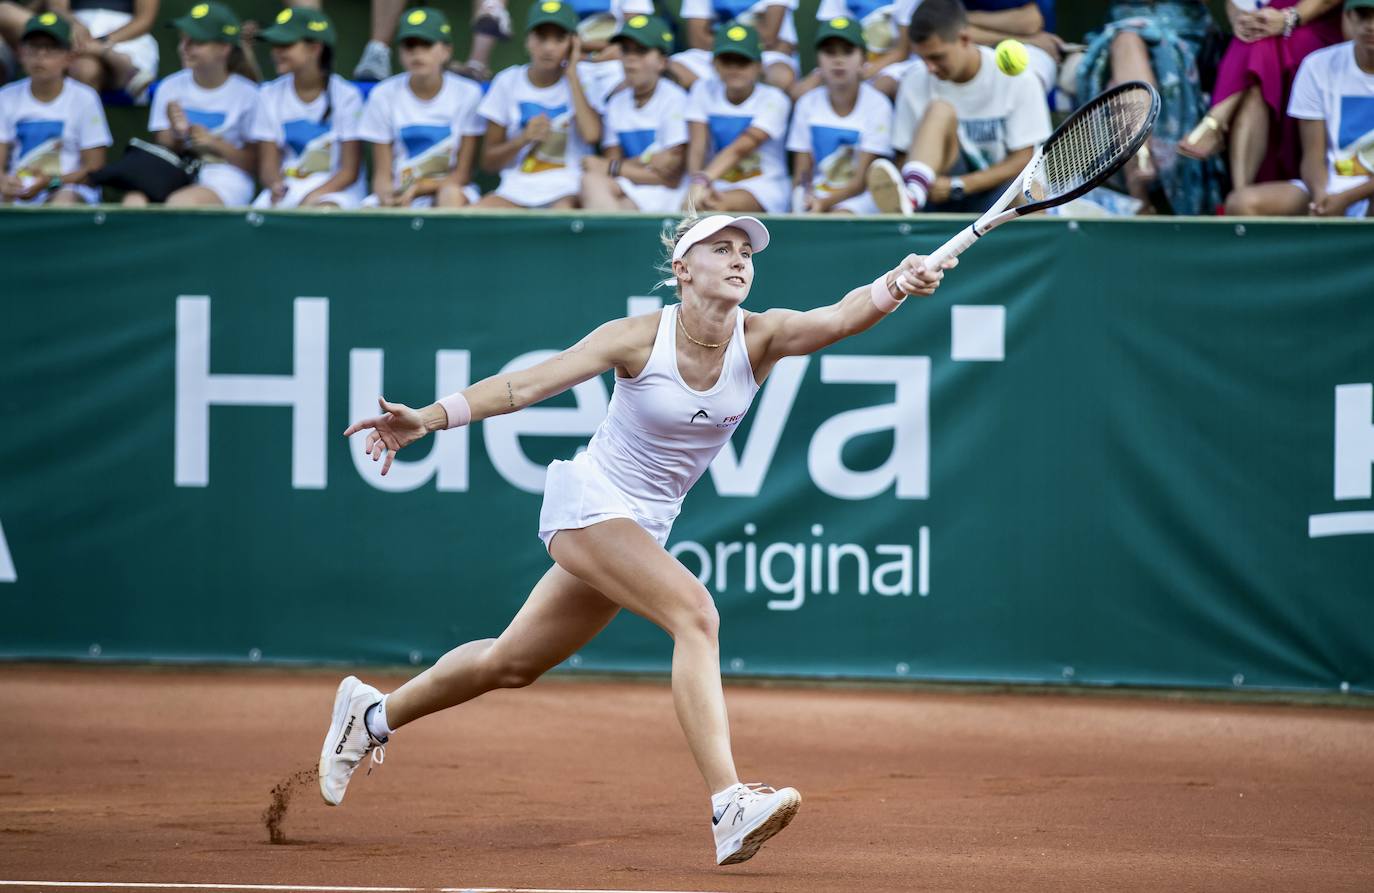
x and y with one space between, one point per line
702 343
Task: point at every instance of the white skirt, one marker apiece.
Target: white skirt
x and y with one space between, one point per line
297 188
577 494
654 198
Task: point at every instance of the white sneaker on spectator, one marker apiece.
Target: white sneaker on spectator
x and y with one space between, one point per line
495 11
375 65
754 813
888 189
348 741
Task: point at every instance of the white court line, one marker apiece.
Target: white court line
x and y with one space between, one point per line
121 885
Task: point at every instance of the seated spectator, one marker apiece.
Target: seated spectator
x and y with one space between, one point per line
423 123
1253 87
540 122
839 128
52 129
1333 103
1159 43
965 132
990 23
206 109
645 137
891 66
114 49
599 21
736 126
772 20
307 120
877 25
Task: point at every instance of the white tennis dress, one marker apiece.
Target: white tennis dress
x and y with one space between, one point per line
655 442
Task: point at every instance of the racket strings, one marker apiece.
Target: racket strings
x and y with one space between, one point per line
1093 144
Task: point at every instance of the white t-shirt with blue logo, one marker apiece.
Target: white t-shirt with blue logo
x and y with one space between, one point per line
46 138
640 131
763 172
835 141
308 143
643 131
1330 87
543 173
425 134
226 111
998 113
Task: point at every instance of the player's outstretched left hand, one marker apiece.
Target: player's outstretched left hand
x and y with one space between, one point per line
398 426
912 277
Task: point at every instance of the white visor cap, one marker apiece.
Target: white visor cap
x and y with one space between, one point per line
705 229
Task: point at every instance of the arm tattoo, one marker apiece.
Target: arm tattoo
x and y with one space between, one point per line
510 395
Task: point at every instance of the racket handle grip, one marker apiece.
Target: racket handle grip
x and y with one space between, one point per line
953 248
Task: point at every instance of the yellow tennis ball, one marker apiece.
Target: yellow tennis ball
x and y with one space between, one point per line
1012 57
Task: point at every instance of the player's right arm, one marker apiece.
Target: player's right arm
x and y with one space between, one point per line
620 344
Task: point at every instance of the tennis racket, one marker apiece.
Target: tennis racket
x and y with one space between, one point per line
1080 155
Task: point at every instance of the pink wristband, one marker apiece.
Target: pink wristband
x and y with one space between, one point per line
456 407
882 297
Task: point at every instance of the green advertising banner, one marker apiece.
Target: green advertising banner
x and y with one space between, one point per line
1106 452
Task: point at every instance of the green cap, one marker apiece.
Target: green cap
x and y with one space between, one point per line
424 23
739 40
650 32
552 12
1357 4
302 23
843 27
209 23
53 25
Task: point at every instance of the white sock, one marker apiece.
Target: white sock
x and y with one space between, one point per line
917 175
375 718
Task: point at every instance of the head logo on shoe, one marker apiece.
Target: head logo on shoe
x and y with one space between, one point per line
347 729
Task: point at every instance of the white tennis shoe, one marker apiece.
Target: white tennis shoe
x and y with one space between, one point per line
348 740
888 188
755 813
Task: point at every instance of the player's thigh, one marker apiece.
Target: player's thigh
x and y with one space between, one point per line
620 560
1278 199
562 614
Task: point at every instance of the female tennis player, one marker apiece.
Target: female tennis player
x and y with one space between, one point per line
685 376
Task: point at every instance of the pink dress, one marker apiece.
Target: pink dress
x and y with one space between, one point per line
1272 63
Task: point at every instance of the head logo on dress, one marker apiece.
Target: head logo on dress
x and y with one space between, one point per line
701 414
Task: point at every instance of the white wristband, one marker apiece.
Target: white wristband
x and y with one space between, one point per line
457 408
882 296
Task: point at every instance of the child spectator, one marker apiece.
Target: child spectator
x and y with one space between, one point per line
207 109
772 19
52 128
115 51
423 123
645 134
838 128
736 127
540 122
967 131
599 21
307 120
1254 83
1333 102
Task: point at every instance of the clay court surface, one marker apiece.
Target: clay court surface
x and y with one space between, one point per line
159 776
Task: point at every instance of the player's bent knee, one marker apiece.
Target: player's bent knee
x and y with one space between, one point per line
697 615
